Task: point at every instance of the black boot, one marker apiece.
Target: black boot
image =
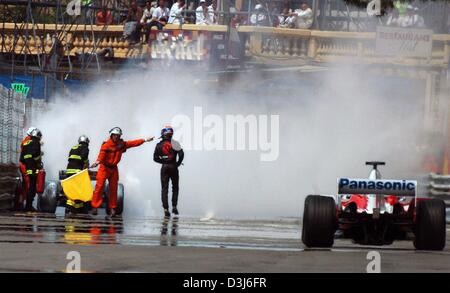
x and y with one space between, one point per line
166 213
175 211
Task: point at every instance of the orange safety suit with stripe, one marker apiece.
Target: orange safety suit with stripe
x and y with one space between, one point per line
109 156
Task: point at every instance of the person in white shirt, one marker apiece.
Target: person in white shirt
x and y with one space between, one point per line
201 13
304 16
175 12
147 16
412 18
150 7
259 16
212 9
286 19
160 16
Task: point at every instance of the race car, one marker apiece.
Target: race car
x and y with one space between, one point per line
374 212
53 195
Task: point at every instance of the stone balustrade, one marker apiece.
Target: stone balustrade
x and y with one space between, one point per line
261 43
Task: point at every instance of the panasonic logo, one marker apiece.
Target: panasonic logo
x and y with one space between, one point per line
375 185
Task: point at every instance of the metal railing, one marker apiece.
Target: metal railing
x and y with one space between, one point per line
12 119
439 187
16 112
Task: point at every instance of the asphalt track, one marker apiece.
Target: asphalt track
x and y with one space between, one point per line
32 242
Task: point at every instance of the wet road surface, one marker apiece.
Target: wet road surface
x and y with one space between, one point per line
33 242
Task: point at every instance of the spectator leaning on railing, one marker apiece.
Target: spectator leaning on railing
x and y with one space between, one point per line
147 15
160 16
304 16
202 14
176 11
212 9
259 16
286 19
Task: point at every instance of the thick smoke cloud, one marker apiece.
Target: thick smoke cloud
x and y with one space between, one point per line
331 122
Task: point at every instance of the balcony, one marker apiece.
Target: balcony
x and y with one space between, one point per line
262 44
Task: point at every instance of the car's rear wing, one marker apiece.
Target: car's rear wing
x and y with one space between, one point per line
368 186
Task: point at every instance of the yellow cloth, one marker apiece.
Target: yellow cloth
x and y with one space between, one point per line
78 186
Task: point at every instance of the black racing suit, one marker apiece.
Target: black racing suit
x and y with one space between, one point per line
78 160
166 152
31 157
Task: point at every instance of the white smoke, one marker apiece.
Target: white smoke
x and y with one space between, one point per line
330 124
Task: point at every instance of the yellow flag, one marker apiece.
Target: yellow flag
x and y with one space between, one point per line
78 186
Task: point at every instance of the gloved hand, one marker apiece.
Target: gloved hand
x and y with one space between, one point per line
149 139
95 164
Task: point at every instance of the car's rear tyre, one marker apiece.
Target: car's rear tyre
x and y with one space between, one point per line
319 221
430 225
120 200
47 202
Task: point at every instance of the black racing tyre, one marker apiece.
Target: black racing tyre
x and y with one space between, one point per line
47 202
319 221
120 200
430 225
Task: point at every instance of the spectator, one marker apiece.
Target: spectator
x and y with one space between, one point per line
87 11
175 16
160 16
201 14
401 6
104 17
212 9
122 14
412 18
147 15
274 13
132 26
259 17
286 19
393 18
304 16
236 20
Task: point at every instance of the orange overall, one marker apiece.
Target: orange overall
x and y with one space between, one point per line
109 156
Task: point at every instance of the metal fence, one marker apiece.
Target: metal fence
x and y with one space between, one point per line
12 119
16 112
439 187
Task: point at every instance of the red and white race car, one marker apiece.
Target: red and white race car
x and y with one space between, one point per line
374 212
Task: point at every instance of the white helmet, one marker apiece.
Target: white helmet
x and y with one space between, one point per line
30 130
84 139
36 133
115 130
